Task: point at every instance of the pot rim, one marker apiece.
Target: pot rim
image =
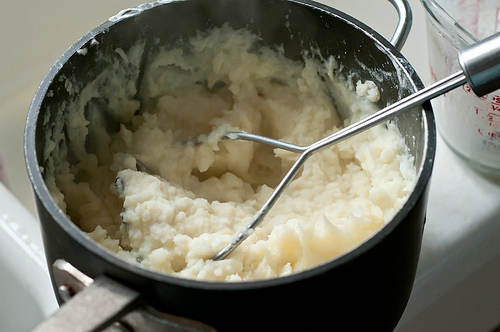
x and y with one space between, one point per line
45 198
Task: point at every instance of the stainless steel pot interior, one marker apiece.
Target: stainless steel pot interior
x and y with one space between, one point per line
293 24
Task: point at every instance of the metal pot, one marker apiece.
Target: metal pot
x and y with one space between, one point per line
366 288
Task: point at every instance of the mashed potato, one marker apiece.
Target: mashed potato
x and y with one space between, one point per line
153 196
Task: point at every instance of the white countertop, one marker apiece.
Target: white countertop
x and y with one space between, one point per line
457 287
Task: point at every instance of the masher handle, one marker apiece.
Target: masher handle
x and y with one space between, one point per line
481 64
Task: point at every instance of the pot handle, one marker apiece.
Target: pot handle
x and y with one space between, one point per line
404 24
104 304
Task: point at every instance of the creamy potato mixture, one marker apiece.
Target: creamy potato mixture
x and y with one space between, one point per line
153 194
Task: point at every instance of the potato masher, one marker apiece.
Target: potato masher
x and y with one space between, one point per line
480 68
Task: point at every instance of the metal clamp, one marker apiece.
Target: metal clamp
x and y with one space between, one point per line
102 304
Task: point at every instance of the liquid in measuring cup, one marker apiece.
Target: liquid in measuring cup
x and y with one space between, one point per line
470 125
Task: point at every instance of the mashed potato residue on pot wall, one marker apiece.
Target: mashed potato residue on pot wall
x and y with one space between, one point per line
153 196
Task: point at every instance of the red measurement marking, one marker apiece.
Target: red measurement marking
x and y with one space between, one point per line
495 99
493 135
475 23
493 118
433 74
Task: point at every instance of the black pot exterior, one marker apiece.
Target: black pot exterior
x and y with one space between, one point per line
367 292
366 289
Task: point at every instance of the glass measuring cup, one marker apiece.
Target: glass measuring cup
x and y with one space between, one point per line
468 124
